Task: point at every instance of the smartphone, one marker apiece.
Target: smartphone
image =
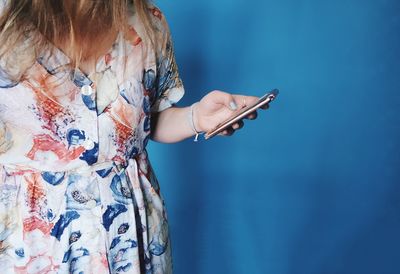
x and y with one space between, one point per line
241 113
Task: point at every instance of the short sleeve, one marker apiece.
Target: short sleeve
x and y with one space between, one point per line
169 87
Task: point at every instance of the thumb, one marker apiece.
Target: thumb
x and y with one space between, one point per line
226 99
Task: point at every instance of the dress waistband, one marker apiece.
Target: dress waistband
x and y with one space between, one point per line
21 168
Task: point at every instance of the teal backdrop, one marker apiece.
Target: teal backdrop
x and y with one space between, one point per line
313 184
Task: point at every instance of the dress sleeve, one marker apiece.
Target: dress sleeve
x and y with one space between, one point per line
168 86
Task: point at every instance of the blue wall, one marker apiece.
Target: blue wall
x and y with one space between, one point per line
312 185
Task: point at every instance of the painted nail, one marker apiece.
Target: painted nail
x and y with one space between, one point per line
233 105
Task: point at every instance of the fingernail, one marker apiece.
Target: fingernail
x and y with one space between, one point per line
233 105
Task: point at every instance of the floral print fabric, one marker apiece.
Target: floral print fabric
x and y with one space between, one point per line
77 190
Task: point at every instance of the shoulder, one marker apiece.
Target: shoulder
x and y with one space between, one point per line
157 16
150 28
161 32
160 23
154 19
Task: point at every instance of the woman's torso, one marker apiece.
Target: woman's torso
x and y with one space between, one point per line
60 118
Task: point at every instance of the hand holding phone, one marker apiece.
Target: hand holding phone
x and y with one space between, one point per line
241 113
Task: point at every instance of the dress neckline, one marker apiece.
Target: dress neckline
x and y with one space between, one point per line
56 61
55 58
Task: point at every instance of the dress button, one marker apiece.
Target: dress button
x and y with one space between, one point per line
88 144
86 90
91 203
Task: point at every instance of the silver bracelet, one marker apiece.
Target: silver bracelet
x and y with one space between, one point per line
192 122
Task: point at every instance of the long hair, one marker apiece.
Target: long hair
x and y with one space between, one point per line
79 24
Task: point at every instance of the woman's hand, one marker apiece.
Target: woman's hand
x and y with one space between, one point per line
218 106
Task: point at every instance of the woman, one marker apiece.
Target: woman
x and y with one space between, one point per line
83 86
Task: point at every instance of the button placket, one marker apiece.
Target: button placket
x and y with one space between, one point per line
88 105
88 93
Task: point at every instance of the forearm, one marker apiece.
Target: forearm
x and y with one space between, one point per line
175 124
171 125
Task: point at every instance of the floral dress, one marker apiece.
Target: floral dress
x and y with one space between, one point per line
77 191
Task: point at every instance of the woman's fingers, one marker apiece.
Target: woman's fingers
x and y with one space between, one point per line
243 101
238 125
227 132
252 115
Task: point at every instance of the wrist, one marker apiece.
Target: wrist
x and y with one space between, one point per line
193 121
197 126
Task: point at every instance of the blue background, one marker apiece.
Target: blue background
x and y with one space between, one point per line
312 185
